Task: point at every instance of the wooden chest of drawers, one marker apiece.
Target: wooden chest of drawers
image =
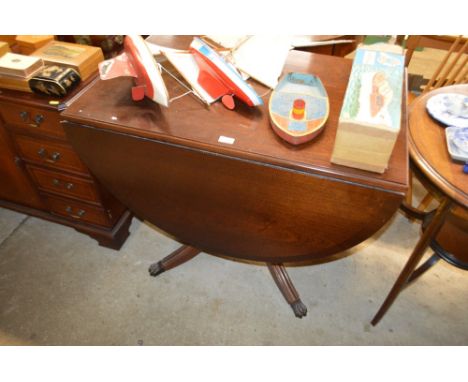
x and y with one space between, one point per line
43 176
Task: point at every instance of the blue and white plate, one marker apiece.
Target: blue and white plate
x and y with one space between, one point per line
457 142
449 108
460 138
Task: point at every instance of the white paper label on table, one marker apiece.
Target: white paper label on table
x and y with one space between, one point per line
228 140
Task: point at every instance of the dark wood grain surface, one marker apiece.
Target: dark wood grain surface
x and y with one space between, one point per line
15 184
108 105
258 199
231 206
40 174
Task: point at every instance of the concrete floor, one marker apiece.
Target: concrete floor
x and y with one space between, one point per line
58 287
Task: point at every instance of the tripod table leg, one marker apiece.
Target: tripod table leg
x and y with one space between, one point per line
176 258
284 283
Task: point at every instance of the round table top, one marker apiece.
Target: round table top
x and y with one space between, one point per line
428 148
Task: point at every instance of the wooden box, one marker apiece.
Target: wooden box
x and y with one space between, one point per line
13 64
29 43
83 58
17 69
15 83
4 48
8 38
369 121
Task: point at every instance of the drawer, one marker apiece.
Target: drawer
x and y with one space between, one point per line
32 119
50 153
77 211
64 184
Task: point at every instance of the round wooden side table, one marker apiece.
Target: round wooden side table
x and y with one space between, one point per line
445 229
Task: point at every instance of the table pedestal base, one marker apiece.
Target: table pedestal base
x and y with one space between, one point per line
278 271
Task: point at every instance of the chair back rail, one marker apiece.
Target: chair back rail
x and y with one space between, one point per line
447 72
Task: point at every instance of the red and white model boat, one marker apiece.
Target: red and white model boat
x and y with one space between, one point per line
215 75
220 79
137 61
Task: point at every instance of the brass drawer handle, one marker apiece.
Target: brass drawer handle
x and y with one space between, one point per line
54 157
58 183
80 213
39 118
42 152
24 115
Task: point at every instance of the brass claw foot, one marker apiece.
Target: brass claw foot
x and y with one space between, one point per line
176 258
285 285
299 309
156 269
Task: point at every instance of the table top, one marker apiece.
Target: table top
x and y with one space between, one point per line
187 122
428 148
42 100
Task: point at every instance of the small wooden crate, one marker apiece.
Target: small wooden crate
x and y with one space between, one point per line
30 43
83 58
369 121
17 69
20 65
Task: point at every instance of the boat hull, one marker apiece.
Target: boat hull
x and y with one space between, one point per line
295 140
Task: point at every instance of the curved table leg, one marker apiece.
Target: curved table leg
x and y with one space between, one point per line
412 212
176 258
430 232
284 283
